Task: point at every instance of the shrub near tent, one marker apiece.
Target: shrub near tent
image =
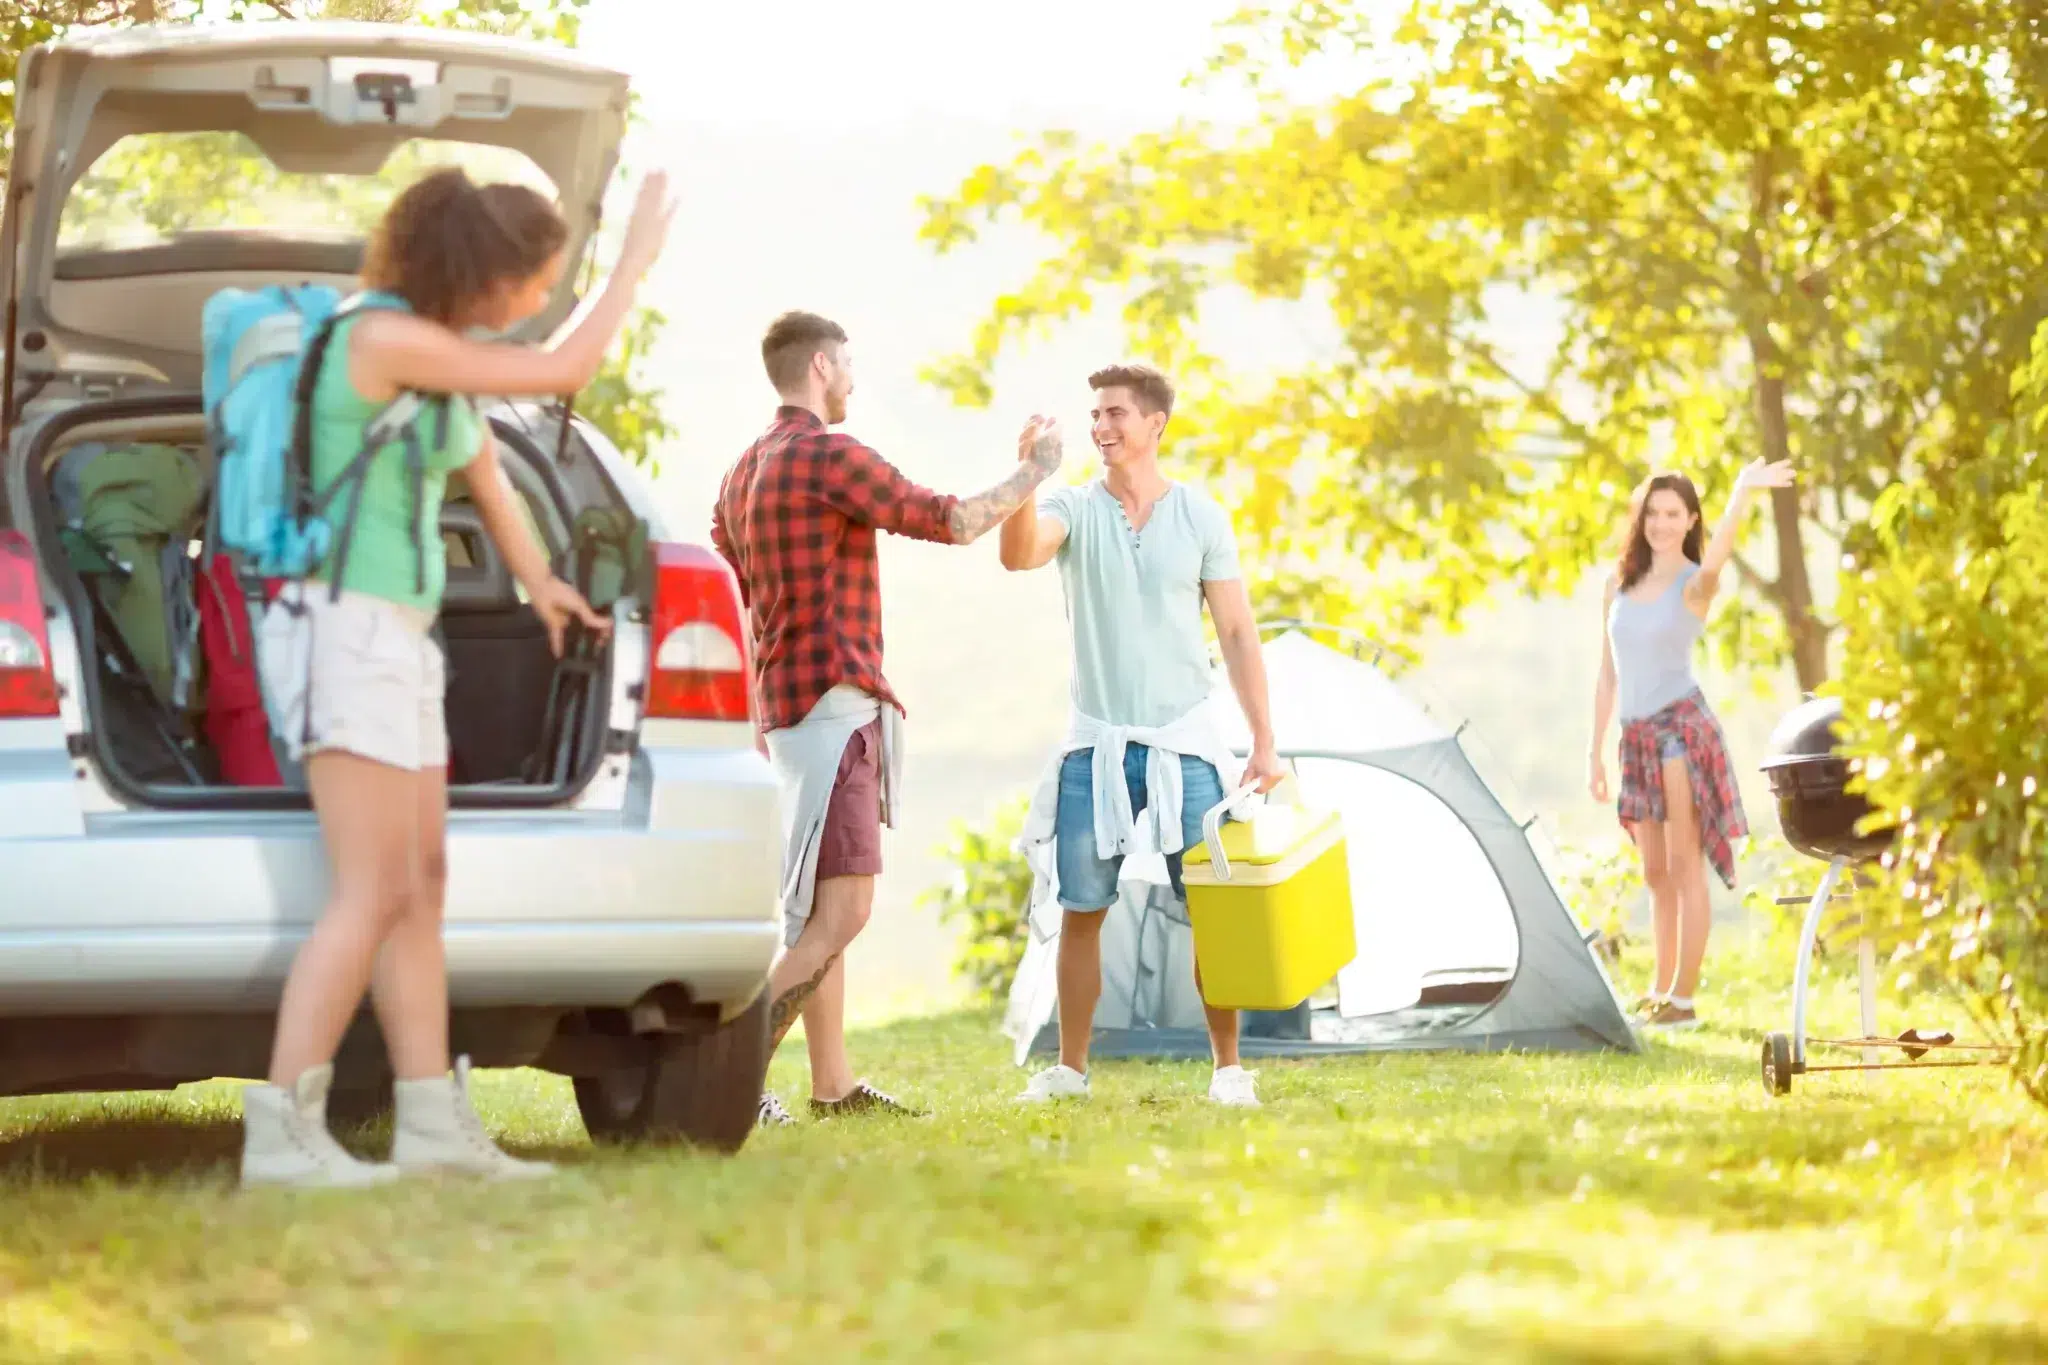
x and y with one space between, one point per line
1945 687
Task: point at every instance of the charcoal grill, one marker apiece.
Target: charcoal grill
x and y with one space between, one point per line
1823 819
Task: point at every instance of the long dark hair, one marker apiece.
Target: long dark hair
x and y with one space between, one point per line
446 242
1635 552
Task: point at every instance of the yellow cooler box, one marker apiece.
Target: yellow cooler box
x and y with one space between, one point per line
1273 923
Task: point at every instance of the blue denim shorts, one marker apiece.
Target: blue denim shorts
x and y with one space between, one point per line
1088 882
1672 747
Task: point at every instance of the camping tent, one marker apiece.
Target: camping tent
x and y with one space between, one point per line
1464 941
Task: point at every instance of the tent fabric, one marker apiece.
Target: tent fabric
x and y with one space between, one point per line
1446 888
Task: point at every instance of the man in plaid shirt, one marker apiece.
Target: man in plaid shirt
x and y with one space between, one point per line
797 518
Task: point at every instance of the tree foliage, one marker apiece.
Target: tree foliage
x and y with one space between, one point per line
166 184
1800 228
1945 693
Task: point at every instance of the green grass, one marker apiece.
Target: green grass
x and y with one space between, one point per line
1410 1208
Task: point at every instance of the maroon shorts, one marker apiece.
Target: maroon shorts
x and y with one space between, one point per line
851 843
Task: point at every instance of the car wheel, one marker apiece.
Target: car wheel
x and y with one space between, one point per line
699 1088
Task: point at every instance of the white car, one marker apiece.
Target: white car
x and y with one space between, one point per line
614 835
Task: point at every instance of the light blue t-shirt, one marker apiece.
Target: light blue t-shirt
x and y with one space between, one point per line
1134 599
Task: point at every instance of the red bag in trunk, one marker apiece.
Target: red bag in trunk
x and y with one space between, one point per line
236 725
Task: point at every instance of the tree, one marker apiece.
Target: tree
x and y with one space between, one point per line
172 183
1796 228
1943 699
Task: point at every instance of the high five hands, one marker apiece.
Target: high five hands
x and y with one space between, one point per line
1039 444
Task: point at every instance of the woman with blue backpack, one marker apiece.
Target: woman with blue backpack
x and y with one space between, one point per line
391 377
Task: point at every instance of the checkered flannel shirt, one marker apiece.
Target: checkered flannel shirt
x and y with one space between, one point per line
797 517
1716 799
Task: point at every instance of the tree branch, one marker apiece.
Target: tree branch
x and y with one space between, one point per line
1748 574
1853 249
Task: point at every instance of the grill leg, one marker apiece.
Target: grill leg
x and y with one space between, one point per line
1808 932
1866 984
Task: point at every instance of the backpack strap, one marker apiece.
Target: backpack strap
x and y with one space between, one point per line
395 421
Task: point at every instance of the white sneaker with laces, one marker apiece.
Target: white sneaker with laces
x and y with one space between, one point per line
1234 1087
437 1130
285 1140
1060 1082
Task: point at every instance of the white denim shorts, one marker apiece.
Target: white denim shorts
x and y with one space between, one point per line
361 675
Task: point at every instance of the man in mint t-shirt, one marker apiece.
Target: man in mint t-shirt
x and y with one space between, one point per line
1139 555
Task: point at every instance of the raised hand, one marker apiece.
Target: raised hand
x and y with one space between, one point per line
1038 455
647 230
1040 444
1759 474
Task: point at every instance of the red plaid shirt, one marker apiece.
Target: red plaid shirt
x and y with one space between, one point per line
796 518
1716 800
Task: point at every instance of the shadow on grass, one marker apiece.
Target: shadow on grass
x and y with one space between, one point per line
160 1146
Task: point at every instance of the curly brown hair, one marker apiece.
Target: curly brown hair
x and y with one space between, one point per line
446 242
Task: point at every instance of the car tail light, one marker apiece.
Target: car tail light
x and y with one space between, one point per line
700 654
27 686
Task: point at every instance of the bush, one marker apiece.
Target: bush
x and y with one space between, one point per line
1945 691
1601 883
987 898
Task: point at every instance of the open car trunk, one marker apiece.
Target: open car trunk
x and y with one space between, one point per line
327 103
122 490
316 124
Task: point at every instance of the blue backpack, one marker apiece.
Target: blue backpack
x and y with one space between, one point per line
262 350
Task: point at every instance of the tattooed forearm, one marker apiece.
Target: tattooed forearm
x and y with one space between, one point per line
782 1013
974 517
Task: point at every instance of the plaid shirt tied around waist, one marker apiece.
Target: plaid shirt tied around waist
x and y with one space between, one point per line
1717 803
797 518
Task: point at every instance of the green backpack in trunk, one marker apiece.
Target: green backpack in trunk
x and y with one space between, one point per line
131 513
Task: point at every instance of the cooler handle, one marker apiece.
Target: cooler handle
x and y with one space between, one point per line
1212 827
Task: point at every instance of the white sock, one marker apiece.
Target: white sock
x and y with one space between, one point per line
1683 1002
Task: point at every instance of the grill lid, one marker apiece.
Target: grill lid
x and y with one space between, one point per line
1806 734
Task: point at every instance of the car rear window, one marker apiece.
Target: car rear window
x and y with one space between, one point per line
149 188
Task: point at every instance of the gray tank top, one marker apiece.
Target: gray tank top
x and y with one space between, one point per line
1652 643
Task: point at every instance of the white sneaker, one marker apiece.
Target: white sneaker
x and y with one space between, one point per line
1060 1082
1233 1086
437 1129
285 1140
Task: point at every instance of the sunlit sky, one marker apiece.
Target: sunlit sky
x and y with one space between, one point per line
832 64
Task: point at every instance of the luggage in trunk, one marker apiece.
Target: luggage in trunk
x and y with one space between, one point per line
179 719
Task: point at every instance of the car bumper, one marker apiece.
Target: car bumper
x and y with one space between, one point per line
146 912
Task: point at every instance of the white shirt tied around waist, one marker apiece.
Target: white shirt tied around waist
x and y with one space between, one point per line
806 757
1118 830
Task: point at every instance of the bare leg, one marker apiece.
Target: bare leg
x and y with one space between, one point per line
1689 877
824 1017
368 812
1223 1028
409 988
1080 981
839 911
1650 845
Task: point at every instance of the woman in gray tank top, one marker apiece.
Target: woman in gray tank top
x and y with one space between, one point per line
1678 799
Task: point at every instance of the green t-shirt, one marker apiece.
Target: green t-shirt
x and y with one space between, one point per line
380 557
